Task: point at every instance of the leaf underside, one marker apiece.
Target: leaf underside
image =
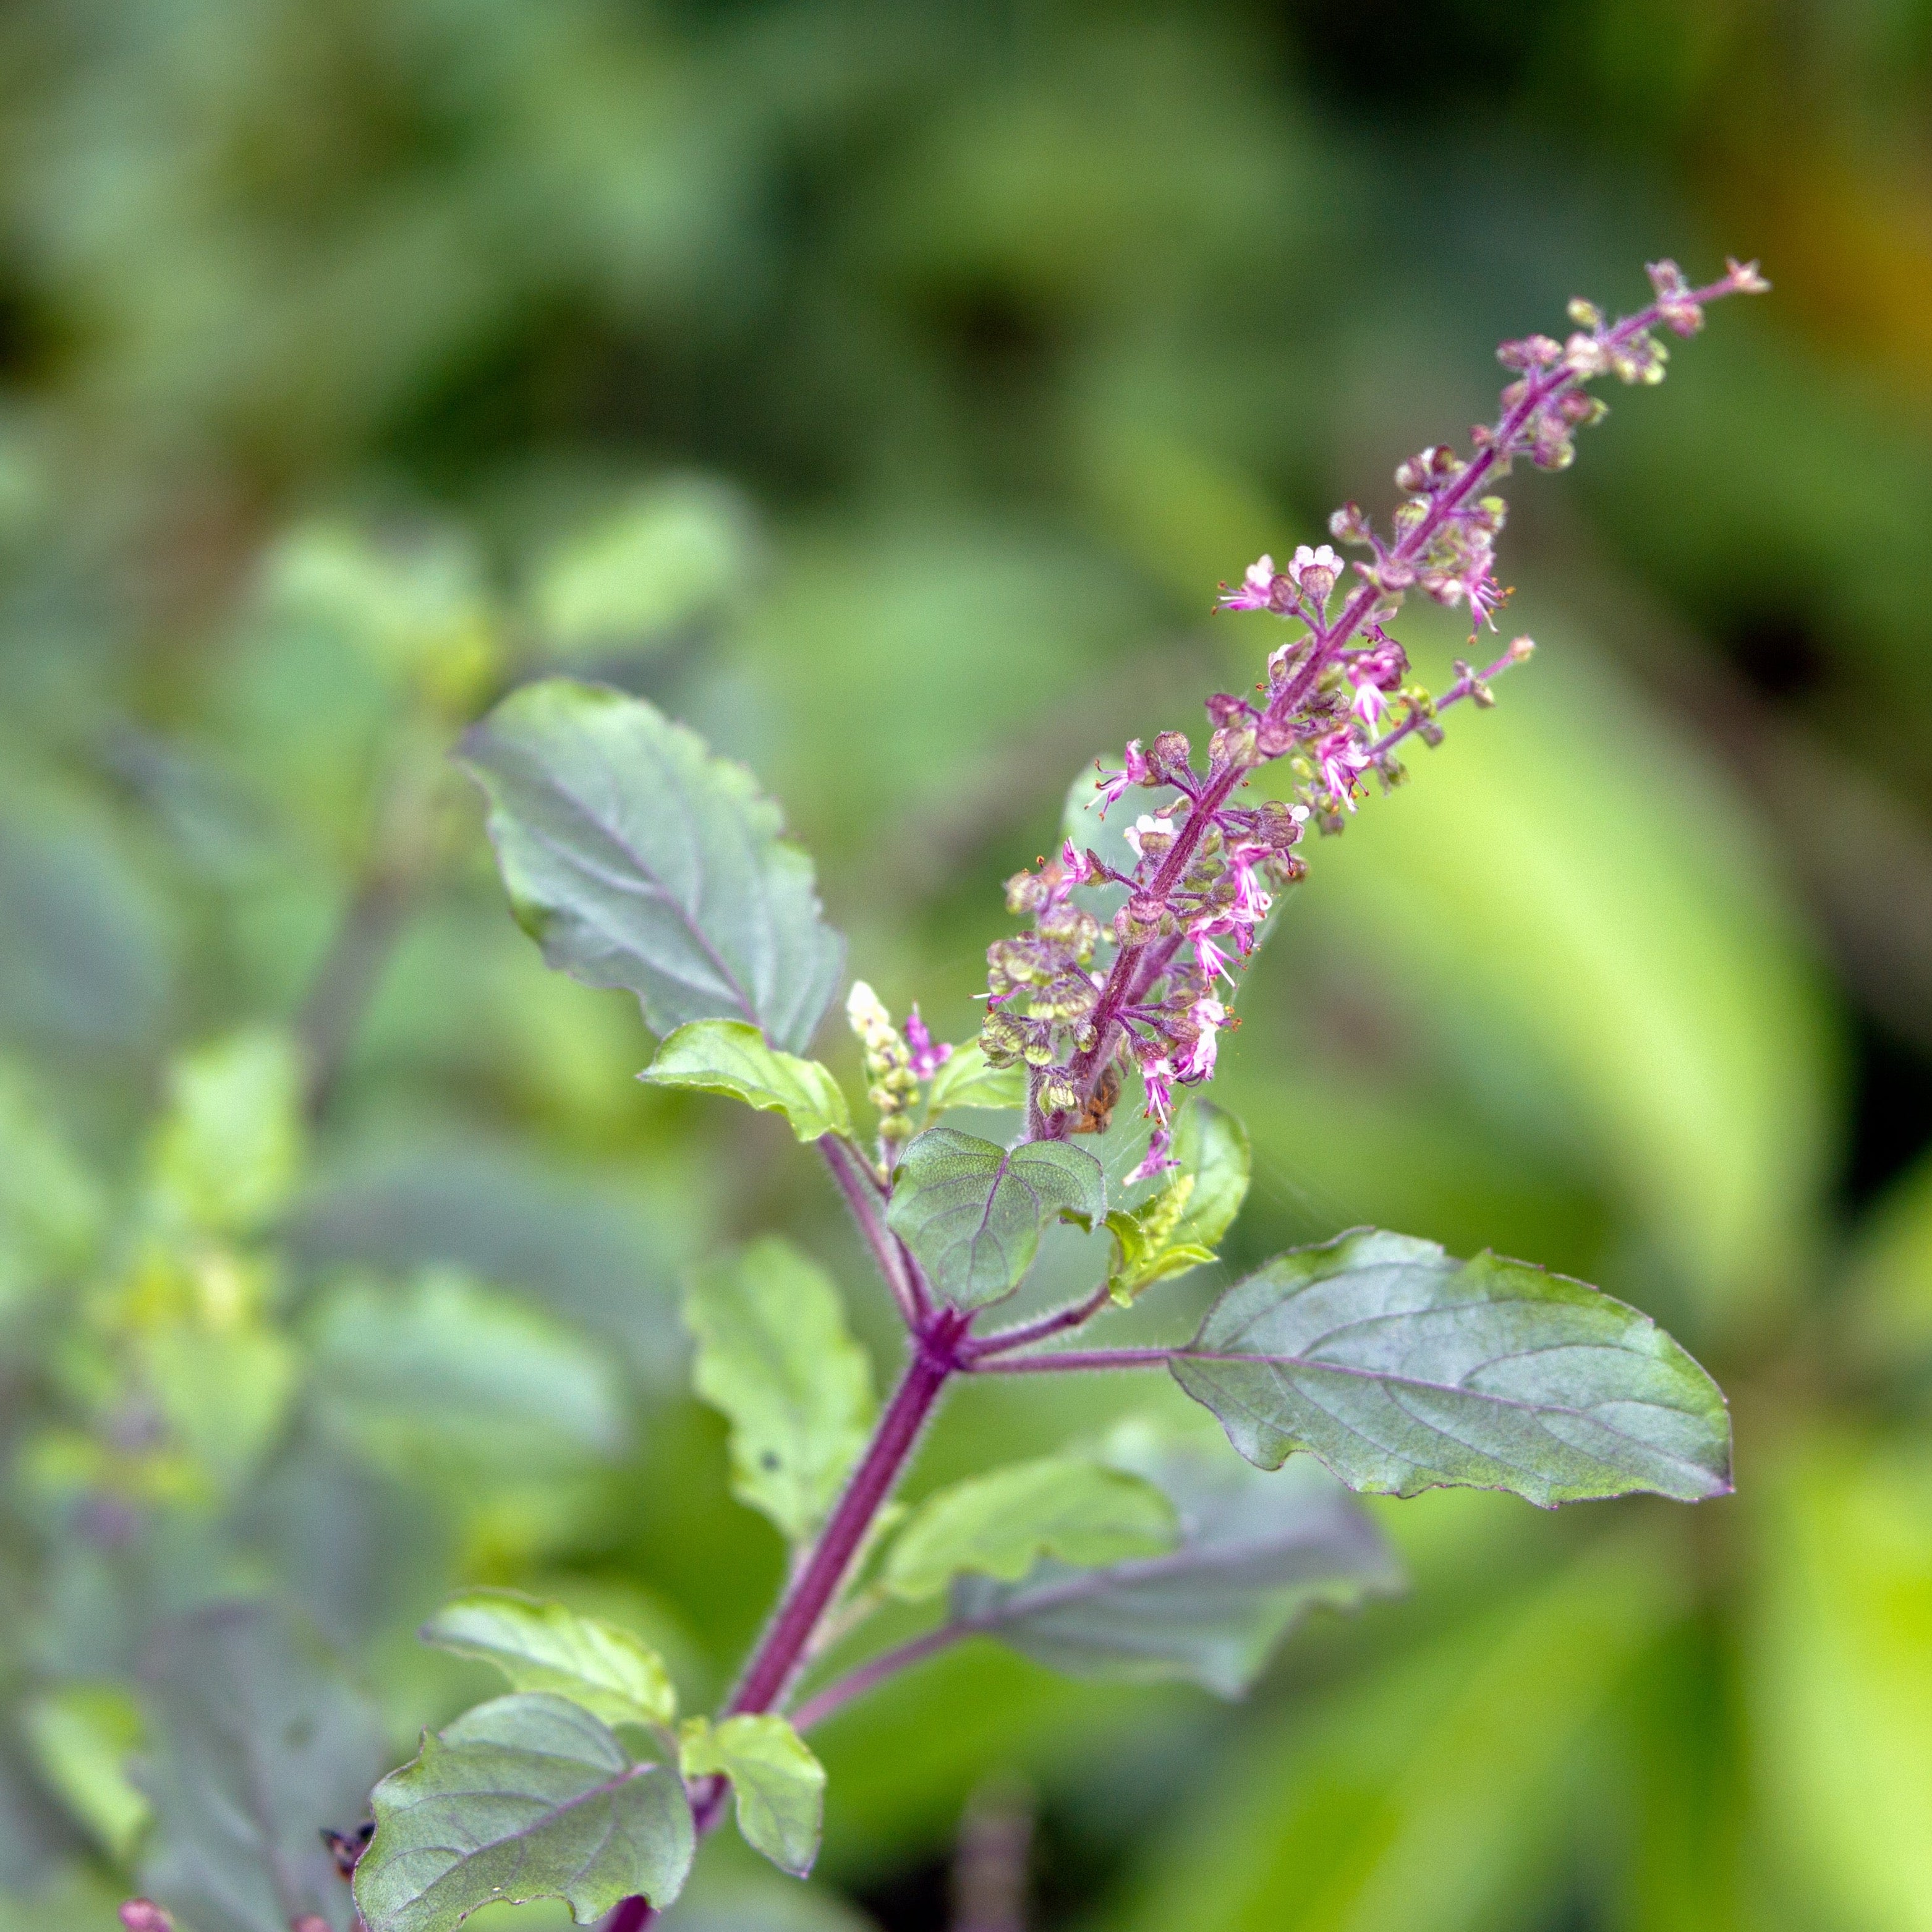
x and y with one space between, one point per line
1258 1550
1404 1369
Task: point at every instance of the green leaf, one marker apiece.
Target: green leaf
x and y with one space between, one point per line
1176 1229
774 1355
675 554
263 1743
527 1797
730 1056
543 1646
1000 1524
965 1080
1256 1553
1145 1251
442 1375
1212 1145
973 1212
229 1151
636 858
1403 1369
778 1786
81 1735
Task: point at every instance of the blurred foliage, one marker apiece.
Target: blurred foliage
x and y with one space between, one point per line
883 387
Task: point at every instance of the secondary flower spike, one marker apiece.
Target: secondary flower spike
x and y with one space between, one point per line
1069 1000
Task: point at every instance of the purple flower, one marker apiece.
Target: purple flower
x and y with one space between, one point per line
1258 590
1374 672
1158 1156
1251 903
1076 865
1214 961
927 1056
1342 761
1157 1078
1139 771
1207 1016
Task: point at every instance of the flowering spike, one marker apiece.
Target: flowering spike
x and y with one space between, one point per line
1206 871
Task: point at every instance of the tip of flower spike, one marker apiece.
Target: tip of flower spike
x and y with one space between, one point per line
1745 277
1522 649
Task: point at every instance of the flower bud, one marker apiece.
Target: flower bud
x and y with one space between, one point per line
1233 744
1584 355
1349 526
1170 755
1025 892
1273 736
1058 1094
1531 352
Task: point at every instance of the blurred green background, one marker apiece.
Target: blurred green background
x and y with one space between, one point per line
884 388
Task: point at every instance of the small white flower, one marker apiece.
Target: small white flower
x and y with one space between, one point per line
1323 558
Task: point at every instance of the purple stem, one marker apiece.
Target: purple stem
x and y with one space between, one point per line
873 1671
781 1653
1054 1360
862 1196
1061 1319
778 1657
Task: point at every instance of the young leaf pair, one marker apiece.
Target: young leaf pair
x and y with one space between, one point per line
574 1786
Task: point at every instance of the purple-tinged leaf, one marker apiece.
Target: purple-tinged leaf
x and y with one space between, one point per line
1404 1369
526 1797
635 858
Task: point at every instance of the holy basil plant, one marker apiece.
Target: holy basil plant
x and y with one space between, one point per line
638 859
